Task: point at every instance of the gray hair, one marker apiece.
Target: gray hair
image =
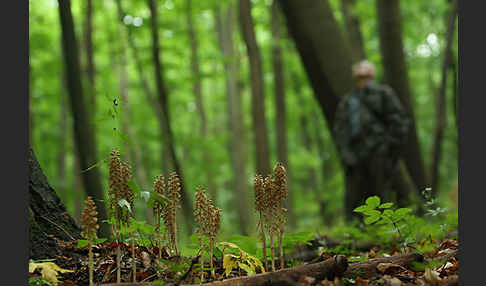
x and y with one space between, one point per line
364 68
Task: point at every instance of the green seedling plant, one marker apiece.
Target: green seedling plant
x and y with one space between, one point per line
238 259
379 213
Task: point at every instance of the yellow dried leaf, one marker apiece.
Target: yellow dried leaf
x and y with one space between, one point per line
229 262
50 275
48 270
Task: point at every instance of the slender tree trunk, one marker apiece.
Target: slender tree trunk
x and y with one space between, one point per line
396 75
133 150
163 101
353 30
327 169
225 22
307 142
61 152
455 88
262 155
145 84
77 186
90 71
281 117
441 119
83 128
196 89
31 115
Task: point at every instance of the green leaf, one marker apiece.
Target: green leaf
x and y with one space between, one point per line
385 206
82 243
100 240
124 204
371 219
373 201
388 213
134 187
372 213
246 268
362 208
159 198
400 213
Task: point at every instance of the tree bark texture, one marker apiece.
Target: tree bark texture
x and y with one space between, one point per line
84 135
196 89
48 218
396 75
280 108
353 30
262 155
441 111
367 269
163 99
225 22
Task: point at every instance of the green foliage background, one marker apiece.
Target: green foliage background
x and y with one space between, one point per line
421 19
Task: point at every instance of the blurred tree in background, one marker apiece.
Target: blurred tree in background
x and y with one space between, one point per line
191 86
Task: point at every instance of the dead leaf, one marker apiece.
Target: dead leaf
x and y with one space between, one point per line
432 277
371 254
360 282
145 259
307 280
67 283
48 270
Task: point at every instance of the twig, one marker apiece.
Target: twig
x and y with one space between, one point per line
58 226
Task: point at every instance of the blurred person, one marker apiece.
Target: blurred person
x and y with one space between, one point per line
370 127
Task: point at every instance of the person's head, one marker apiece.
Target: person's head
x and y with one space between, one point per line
363 72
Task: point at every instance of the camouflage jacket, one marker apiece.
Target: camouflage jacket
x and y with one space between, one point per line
382 122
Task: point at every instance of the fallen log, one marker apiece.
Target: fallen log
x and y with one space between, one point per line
330 268
367 269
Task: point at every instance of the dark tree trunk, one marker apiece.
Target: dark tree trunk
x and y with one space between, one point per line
225 22
441 119
90 68
196 89
164 104
396 75
353 30
327 60
48 218
262 155
281 113
84 135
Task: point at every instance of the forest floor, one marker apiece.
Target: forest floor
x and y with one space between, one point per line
376 266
